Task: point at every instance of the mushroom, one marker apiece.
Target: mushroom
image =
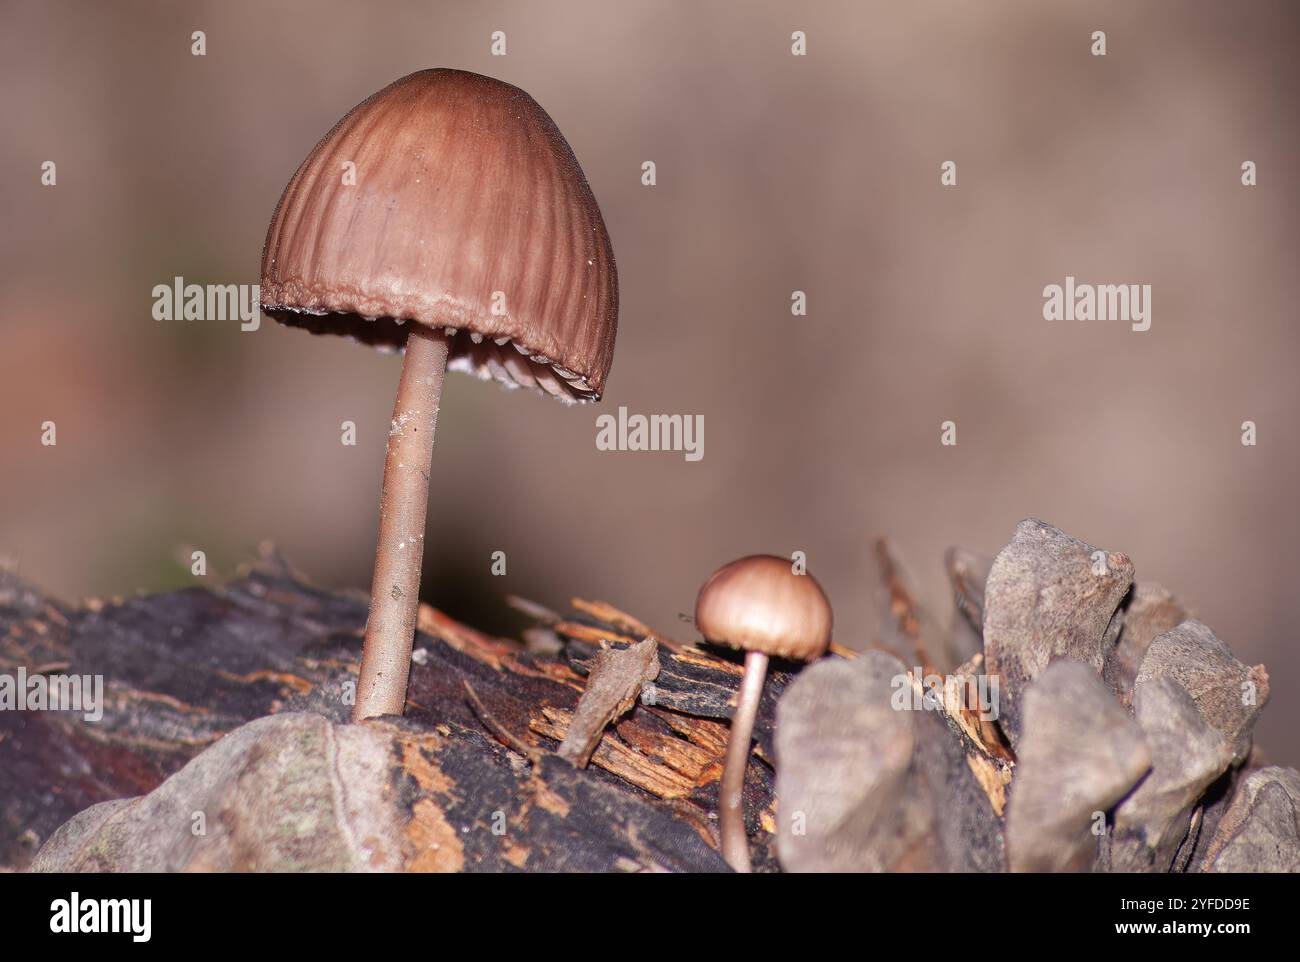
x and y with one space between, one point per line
445 215
759 604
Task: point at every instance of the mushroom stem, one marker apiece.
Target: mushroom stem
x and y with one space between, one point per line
395 590
731 815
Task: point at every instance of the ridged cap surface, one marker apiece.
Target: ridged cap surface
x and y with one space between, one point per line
468 211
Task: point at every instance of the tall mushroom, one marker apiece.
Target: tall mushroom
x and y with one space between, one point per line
445 215
759 604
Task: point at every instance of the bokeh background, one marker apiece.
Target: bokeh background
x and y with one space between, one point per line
775 173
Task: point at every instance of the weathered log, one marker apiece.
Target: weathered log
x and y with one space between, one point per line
221 740
182 669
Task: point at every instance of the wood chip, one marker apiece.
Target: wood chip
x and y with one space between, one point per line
613 686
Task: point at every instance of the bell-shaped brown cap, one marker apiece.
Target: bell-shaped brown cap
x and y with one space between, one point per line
759 604
463 207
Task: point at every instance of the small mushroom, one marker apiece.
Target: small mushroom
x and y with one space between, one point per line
445 215
759 604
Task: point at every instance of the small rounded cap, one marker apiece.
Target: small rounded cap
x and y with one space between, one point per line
451 200
759 604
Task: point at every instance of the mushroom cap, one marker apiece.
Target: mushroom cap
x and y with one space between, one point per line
468 211
758 603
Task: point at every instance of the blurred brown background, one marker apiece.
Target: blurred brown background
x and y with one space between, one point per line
775 173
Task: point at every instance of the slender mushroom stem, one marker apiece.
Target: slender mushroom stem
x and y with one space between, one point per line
731 815
395 590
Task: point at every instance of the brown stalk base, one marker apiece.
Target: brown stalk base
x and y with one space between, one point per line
395 589
731 801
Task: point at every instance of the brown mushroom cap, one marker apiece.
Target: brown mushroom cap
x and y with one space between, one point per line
464 187
759 604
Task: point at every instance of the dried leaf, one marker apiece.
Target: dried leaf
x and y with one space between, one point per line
1048 596
1260 831
1079 755
1228 694
1187 756
843 755
1150 611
